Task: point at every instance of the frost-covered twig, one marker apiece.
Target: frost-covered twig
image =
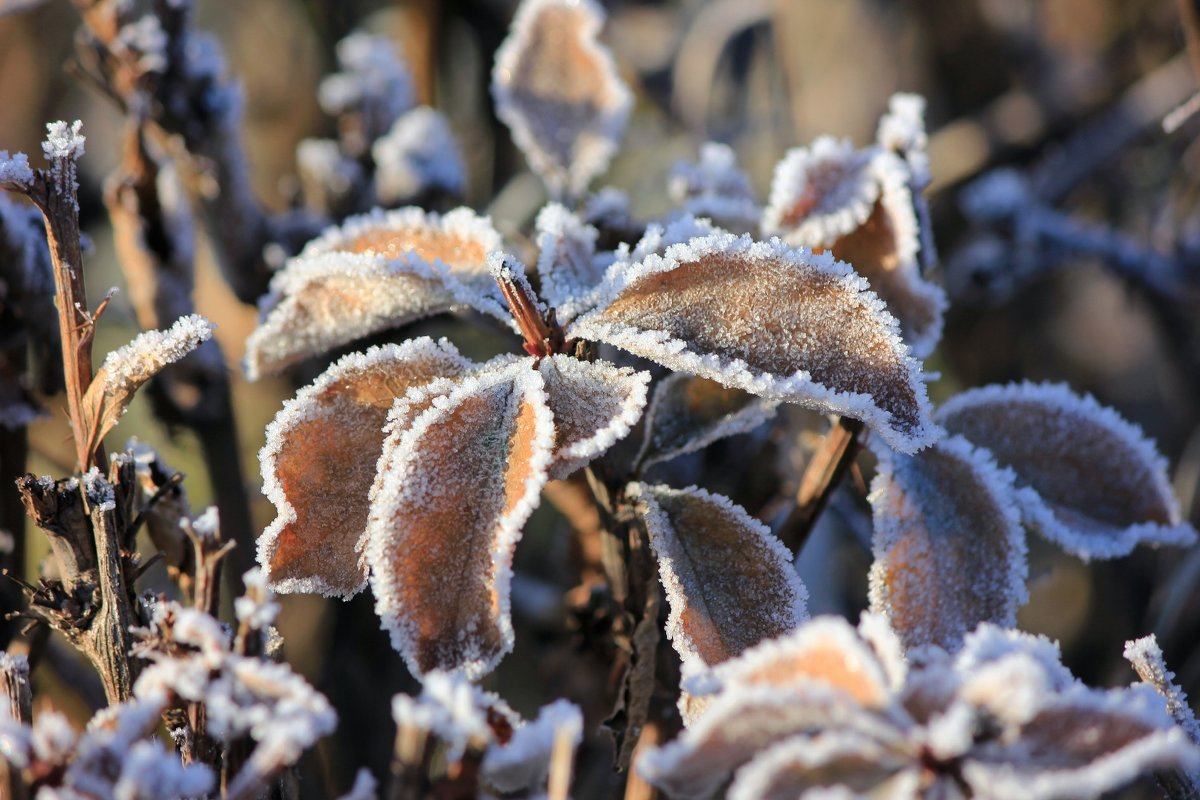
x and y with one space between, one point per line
1146 657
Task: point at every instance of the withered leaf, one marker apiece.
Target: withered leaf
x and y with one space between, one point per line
377 271
688 413
454 490
777 322
320 458
859 205
127 368
730 583
949 548
1089 480
594 403
557 89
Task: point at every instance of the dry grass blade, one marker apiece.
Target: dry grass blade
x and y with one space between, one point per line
447 509
558 90
729 582
949 548
319 463
1088 480
773 321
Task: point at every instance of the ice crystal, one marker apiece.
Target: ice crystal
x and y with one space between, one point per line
257 608
773 321
557 89
1003 719
63 141
949 548
375 271
729 582
1088 480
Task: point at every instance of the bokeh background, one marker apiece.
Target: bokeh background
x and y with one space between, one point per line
1071 92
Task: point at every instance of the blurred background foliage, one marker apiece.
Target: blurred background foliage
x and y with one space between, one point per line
1071 90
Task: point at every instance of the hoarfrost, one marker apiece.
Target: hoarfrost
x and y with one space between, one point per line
777 322
15 169
1147 659
557 89
524 762
714 187
595 404
491 439
418 154
321 495
729 582
376 271
63 141
567 264
949 548
1088 480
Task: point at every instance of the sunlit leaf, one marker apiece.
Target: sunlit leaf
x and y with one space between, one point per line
730 583
567 265
557 89
949 548
376 271
859 205
688 413
594 403
902 130
319 463
773 321
1089 480
453 492
126 369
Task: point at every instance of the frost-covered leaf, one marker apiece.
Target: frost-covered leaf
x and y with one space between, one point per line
741 723
567 264
1081 744
1088 480
688 413
821 192
730 583
453 491
418 154
319 463
557 89
594 403
715 187
773 321
902 130
859 205
376 271
825 650
125 370
949 548
454 710
524 761
833 760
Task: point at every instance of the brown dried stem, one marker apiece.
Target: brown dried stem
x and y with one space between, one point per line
821 477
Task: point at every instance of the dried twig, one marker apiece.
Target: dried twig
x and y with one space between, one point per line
821 477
